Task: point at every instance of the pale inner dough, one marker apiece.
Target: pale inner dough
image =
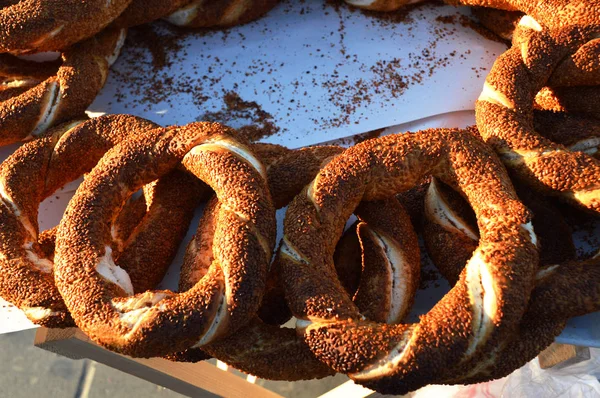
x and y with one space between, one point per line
530 23
112 58
490 94
588 145
399 275
47 36
480 284
185 15
110 271
215 325
5 197
41 264
388 364
438 211
235 147
133 311
52 102
37 314
529 228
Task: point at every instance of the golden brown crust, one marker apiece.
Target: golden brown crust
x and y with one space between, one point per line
61 97
454 332
161 322
31 25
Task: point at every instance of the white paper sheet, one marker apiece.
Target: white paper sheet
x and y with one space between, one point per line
305 62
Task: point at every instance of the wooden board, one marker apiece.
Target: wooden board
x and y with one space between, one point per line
562 355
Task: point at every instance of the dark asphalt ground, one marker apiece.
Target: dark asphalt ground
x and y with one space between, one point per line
27 371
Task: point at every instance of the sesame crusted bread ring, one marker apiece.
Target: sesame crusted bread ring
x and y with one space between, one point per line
504 113
390 254
220 13
564 287
42 103
31 26
480 311
270 352
27 177
156 323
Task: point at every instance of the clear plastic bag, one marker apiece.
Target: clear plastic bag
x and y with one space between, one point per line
577 380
